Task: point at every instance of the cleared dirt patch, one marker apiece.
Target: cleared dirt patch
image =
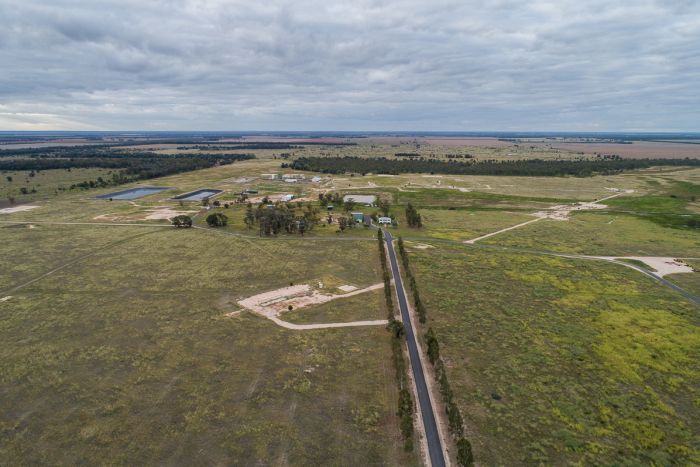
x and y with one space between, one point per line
17 209
271 304
662 264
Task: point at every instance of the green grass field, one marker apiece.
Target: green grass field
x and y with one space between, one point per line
558 361
127 356
130 348
366 306
604 234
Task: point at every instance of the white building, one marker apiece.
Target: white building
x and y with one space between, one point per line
384 220
286 198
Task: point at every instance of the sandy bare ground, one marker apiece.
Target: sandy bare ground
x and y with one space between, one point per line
271 304
155 213
165 213
17 209
420 246
4 299
664 265
559 213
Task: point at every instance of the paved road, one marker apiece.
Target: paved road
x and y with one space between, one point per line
426 407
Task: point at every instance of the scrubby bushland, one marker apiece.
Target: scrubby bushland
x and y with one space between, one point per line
523 168
134 165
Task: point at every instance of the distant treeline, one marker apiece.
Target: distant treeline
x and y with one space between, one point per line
261 145
525 168
133 165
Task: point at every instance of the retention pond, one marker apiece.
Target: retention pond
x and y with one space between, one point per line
134 193
198 195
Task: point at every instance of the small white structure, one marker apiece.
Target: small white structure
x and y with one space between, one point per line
293 176
384 220
367 200
286 198
291 180
316 179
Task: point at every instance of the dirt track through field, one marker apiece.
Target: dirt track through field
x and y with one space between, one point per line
557 212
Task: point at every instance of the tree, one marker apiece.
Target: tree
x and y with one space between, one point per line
350 205
384 206
412 216
182 221
9 178
249 216
342 223
465 457
217 220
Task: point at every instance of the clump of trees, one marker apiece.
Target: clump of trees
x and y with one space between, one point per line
133 165
182 221
413 218
217 219
281 218
580 167
334 199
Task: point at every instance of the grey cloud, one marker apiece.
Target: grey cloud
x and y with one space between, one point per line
366 65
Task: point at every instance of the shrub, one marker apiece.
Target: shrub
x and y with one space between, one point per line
217 220
465 457
182 221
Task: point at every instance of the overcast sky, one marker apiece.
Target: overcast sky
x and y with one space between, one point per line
579 65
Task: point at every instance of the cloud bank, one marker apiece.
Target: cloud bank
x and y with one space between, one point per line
361 65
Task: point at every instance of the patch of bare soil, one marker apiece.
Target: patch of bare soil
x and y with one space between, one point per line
271 304
165 213
24 207
662 264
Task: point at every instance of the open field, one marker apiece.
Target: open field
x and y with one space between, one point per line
572 361
124 338
129 355
367 306
604 234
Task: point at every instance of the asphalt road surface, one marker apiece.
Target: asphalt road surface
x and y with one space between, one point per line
437 458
